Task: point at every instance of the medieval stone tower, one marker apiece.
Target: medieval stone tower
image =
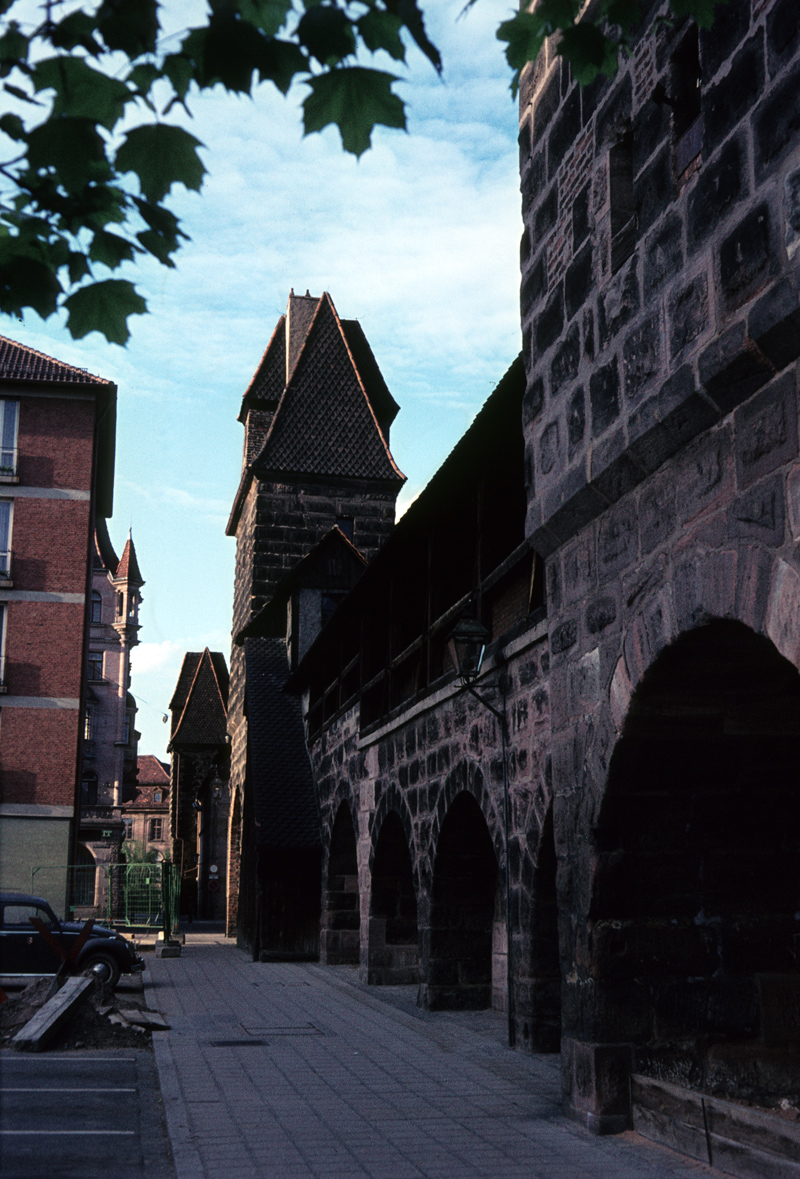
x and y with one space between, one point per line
317 416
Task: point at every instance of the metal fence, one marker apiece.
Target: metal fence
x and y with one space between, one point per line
136 896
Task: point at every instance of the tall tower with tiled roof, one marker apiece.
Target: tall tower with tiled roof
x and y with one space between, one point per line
317 417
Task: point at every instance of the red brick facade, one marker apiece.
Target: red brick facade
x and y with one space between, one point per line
56 479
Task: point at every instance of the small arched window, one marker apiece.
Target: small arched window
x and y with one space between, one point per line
97 607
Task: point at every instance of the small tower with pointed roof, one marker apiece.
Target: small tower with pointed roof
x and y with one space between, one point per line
317 417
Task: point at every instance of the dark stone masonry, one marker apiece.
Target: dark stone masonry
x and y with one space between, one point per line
623 519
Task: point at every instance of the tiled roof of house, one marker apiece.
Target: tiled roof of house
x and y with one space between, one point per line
314 570
104 555
381 400
325 424
283 787
128 568
152 772
18 363
203 719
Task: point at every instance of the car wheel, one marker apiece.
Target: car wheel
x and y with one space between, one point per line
109 972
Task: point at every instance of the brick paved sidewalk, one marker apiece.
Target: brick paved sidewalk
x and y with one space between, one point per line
276 1071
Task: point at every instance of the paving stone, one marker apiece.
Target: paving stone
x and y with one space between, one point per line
387 1090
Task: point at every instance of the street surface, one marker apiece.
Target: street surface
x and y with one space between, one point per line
276 1071
81 1115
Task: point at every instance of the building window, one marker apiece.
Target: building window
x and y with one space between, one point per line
157 796
154 830
89 788
95 665
127 827
6 515
120 605
88 725
97 607
127 737
9 416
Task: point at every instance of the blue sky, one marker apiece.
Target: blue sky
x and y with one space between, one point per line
419 240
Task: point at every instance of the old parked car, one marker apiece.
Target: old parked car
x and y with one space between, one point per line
24 953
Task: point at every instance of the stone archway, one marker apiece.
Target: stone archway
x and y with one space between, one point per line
462 916
691 970
393 953
340 936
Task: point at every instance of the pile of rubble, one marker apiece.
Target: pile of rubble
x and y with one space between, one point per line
82 1013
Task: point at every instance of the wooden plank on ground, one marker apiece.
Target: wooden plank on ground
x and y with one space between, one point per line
51 1015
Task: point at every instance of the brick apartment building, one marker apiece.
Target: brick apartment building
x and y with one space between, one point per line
56 475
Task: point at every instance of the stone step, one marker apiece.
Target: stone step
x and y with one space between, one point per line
746 1142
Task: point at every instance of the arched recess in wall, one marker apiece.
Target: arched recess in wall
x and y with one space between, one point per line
341 929
695 919
84 877
463 902
393 934
544 1022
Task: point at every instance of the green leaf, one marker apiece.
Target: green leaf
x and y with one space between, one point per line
77 266
280 63
110 249
72 147
104 307
381 30
327 34
588 51
267 15
76 29
12 126
25 281
624 13
82 92
143 76
161 155
178 69
157 245
702 11
20 94
355 99
410 14
14 45
130 26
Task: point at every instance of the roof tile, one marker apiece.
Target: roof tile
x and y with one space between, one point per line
19 363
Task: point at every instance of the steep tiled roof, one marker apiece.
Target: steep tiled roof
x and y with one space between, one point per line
203 719
325 424
381 400
283 787
152 772
128 568
185 677
270 376
18 363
